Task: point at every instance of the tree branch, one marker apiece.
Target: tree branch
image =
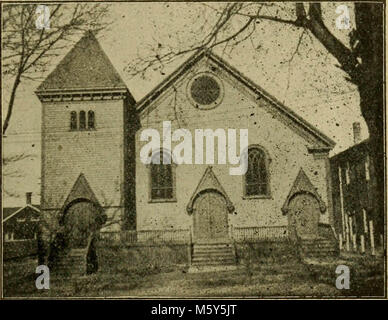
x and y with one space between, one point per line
24 48
343 54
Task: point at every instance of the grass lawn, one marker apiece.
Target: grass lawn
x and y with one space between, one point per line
264 279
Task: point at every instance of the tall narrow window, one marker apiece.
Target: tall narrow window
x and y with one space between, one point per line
256 177
162 184
367 172
347 173
73 120
365 221
91 119
82 120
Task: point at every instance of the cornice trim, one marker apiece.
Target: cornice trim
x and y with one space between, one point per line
81 95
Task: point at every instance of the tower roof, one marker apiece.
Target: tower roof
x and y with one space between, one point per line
86 66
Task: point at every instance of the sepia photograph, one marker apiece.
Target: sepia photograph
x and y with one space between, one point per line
193 150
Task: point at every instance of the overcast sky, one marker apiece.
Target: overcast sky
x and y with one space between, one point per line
311 84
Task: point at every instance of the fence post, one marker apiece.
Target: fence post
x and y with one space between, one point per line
347 233
365 221
372 237
354 242
350 221
189 247
362 238
342 202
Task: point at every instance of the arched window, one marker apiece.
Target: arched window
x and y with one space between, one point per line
91 119
82 120
161 175
256 177
73 120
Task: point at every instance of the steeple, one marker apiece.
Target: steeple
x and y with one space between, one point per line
85 67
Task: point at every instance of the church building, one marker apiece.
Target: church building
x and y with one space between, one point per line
91 146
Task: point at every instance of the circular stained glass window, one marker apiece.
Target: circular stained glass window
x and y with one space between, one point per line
205 90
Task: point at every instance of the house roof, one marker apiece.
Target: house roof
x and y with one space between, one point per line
198 56
354 149
12 211
86 66
8 211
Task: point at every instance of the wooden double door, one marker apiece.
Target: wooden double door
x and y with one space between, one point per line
210 217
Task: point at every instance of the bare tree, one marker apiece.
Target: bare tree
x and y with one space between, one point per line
362 60
10 171
27 48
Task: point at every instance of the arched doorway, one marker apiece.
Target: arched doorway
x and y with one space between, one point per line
81 220
303 216
210 217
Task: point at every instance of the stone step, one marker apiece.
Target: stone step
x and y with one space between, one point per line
202 248
214 244
219 247
320 247
199 251
327 250
317 247
323 251
73 264
214 263
317 243
220 257
215 268
214 254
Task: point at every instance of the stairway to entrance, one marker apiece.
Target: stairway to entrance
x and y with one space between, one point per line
320 247
73 263
213 254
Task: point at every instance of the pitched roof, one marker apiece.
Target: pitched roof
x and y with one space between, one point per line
11 211
198 56
357 149
86 66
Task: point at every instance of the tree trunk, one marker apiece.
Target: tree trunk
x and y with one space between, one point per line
372 106
11 102
369 22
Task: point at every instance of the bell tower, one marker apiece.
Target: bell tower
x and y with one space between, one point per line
88 128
